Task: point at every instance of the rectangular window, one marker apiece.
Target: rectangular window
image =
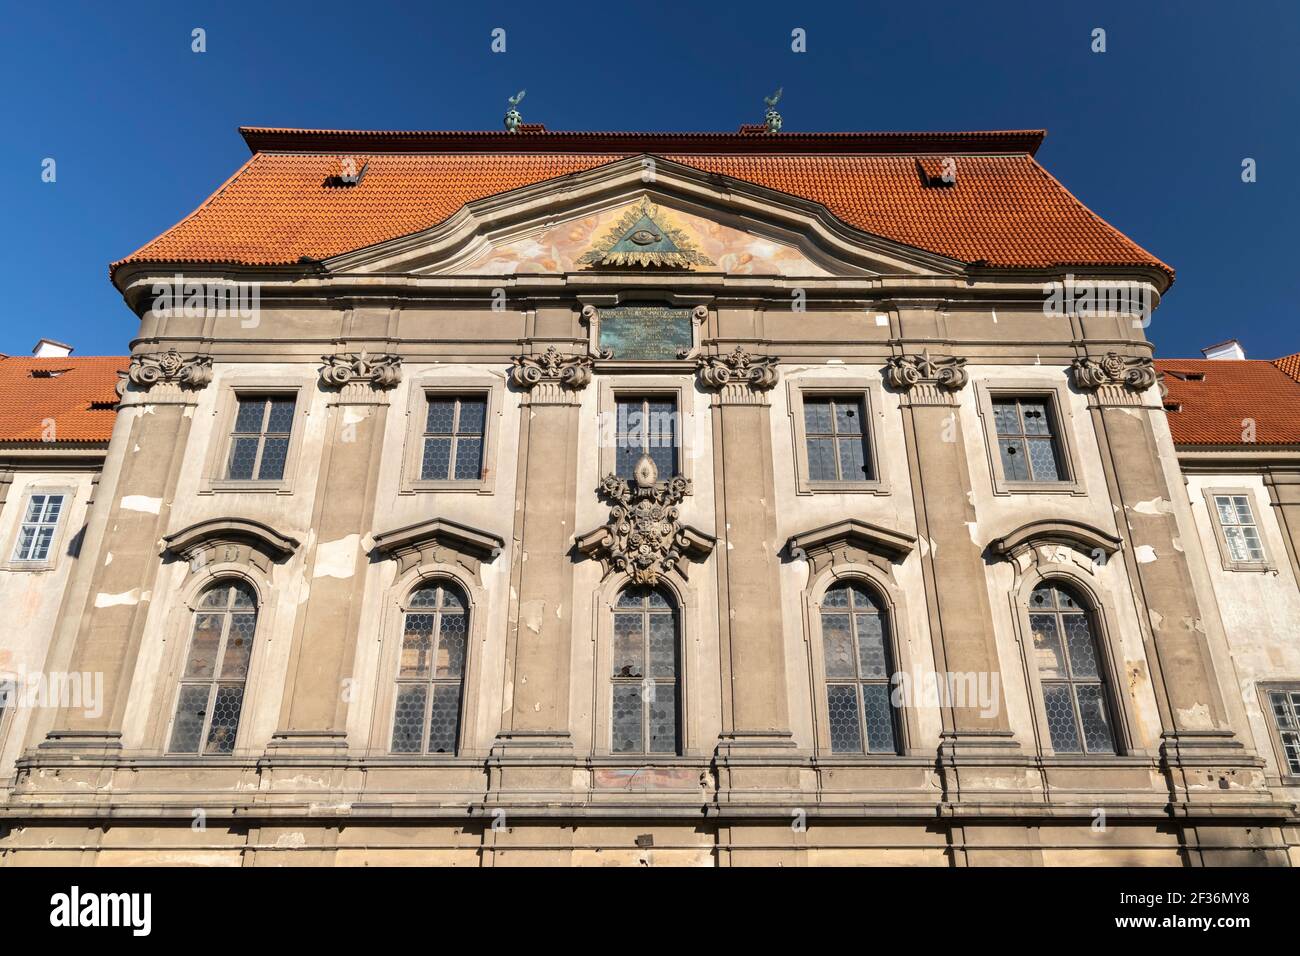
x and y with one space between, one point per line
259 443
1285 705
1240 533
36 535
1028 445
646 425
836 440
453 438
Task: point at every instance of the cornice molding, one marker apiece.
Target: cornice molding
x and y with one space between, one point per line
1075 534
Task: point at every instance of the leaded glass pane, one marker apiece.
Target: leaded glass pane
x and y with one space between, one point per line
424 597
626 719
822 459
817 416
1092 713
242 596
657 599
838 641
417 646
1005 418
1034 416
1048 653
663 718
280 419
1014 465
852 460
408 718
1061 724
191 709
452 599
248 420
473 413
239 647
879 719
444 718
842 711
469 459
628 648
1083 650
663 645
837 596
451 646
274 452
225 718
872 659
202 661
665 459
441 418
243 453
848 417
435 464
1042 459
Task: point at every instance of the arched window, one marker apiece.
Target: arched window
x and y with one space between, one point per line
435 635
644 674
1070 672
859 664
211 694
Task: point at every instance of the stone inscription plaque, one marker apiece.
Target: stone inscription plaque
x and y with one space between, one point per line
645 331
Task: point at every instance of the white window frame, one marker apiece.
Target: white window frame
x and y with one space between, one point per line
15 563
1264 563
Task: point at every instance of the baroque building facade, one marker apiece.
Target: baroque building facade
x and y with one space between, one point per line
687 499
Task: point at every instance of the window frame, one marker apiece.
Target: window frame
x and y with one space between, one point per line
13 562
1057 398
1265 563
612 681
441 582
492 389
1118 708
193 608
857 681
1286 776
867 391
224 416
893 599
612 389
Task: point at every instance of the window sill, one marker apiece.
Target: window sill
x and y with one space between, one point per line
28 566
1003 487
842 488
1257 566
227 486
475 486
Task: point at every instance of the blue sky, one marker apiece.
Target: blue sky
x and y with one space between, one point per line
1150 134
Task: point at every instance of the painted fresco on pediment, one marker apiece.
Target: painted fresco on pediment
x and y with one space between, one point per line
642 235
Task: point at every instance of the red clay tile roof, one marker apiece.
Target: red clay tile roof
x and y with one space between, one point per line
1218 409
1290 364
80 399
1004 209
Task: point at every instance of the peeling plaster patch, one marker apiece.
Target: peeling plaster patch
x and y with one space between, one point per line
835 361
136 448
1178 544
112 600
142 503
995 316
109 559
337 559
1196 717
1157 619
1194 624
189 412
353 416
1155 506
530 614
1145 554
291 839
973 528
882 319
925 545
508 698
934 546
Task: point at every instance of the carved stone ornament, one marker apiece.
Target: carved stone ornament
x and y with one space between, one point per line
904 372
738 368
1137 374
571 371
644 538
146 371
377 371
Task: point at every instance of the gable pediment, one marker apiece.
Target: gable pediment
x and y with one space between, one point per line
638 214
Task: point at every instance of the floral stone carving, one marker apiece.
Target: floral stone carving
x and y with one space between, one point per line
571 371
1138 374
644 537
